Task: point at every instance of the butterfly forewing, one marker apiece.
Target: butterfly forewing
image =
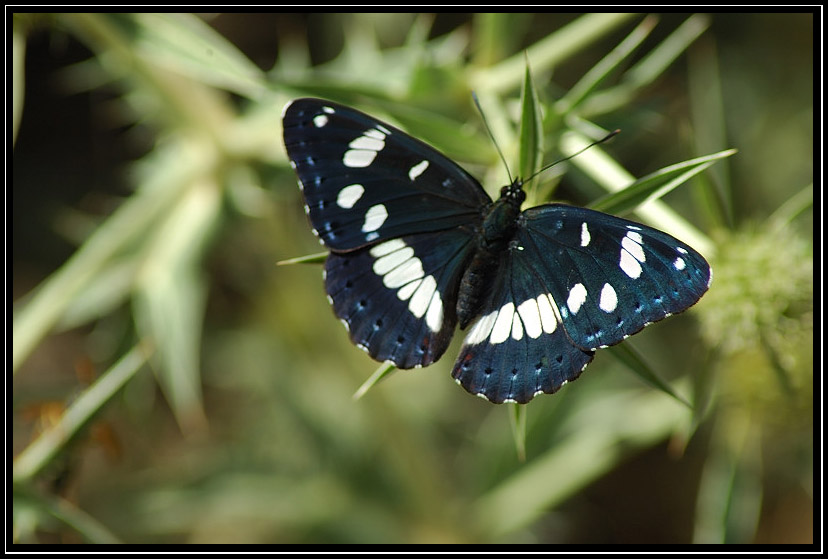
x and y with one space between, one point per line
365 181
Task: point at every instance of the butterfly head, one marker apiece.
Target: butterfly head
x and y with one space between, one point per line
513 193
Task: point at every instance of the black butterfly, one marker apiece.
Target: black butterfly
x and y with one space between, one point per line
418 247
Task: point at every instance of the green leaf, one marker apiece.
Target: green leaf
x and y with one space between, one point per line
517 419
531 128
32 510
171 297
548 52
628 355
598 73
647 70
656 184
128 225
188 45
597 438
382 371
317 258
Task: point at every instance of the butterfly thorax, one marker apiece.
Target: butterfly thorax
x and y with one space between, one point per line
496 231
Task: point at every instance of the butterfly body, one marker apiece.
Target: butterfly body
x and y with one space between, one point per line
418 248
495 233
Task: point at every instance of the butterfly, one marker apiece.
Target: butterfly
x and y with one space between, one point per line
417 248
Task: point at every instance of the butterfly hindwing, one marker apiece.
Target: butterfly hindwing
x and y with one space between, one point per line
398 297
365 181
518 347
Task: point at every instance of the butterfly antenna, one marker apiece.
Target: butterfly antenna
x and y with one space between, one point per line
489 130
579 152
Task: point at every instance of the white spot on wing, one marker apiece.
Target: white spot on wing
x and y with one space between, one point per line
358 158
387 247
417 169
364 149
503 325
609 299
679 263
374 218
388 262
434 315
547 314
630 265
411 270
422 297
517 327
408 290
320 120
585 238
482 329
530 315
368 142
632 254
634 246
577 296
349 196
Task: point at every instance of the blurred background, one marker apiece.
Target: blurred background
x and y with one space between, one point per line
172 384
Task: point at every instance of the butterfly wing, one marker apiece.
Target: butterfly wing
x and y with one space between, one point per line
365 181
518 347
573 280
611 276
397 298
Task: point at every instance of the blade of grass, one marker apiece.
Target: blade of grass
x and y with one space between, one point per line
602 432
517 419
730 490
64 511
792 207
38 454
317 258
48 302
709 127
592 78
656 184
187 44
531 129
171 296
548 52
634 361
648 69
382 371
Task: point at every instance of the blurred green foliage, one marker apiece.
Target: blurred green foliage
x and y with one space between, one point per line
172 384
